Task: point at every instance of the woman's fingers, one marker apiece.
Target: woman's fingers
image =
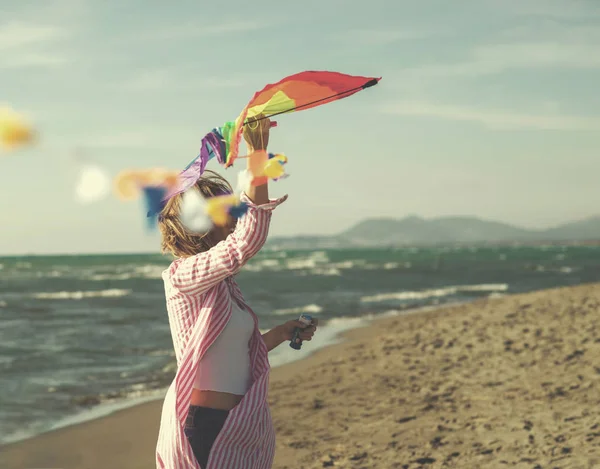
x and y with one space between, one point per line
306 334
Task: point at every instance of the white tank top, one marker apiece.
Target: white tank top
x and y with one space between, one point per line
225 366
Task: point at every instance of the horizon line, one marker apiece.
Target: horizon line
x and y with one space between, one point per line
483 244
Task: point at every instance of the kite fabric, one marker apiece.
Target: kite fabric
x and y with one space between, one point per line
301 91
213 145
15 132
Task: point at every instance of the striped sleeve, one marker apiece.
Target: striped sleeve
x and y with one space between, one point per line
197 274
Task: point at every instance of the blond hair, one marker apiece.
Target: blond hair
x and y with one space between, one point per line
176 239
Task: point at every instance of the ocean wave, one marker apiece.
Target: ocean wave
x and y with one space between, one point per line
260 265
147 271
433 293
50 274
317 264
312 308
301 263
105 277
321 272
79 295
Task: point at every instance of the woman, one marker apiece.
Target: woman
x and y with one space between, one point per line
215 414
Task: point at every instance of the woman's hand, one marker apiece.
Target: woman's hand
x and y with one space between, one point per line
256 133
306 332
284 332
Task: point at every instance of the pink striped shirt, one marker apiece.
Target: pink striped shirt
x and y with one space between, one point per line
199 291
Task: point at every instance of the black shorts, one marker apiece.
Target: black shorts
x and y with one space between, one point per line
202 426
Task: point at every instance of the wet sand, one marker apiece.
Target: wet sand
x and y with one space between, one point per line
507 382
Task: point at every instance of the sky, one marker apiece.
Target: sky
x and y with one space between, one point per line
488 108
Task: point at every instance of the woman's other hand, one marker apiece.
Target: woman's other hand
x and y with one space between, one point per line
306 332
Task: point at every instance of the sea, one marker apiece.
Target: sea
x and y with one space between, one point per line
83 336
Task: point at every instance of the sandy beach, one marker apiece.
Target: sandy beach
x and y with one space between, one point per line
505 382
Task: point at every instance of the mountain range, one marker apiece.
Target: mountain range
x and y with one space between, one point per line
417 231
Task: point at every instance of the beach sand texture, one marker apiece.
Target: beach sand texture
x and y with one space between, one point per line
507 382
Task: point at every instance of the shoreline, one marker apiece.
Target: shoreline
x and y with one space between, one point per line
110 408
402 388
123 410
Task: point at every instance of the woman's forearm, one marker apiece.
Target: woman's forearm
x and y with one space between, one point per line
273 338
259 194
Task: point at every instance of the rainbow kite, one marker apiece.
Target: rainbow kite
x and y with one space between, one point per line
297 92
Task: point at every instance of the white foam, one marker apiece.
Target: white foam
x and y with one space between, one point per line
315 264
312 308
104 277
323 272
347 264
152 271
78 295
327 334
147 271
259 266
310 262
301 263
432 293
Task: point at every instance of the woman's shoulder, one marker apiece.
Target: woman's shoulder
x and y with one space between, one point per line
172 267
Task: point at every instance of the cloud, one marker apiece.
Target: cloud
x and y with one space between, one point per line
539 54
31 60
19 34
147 80
378 37
493 59
527 43
27 45
139 139
179 78
159 136
192 30
557 9
495 119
